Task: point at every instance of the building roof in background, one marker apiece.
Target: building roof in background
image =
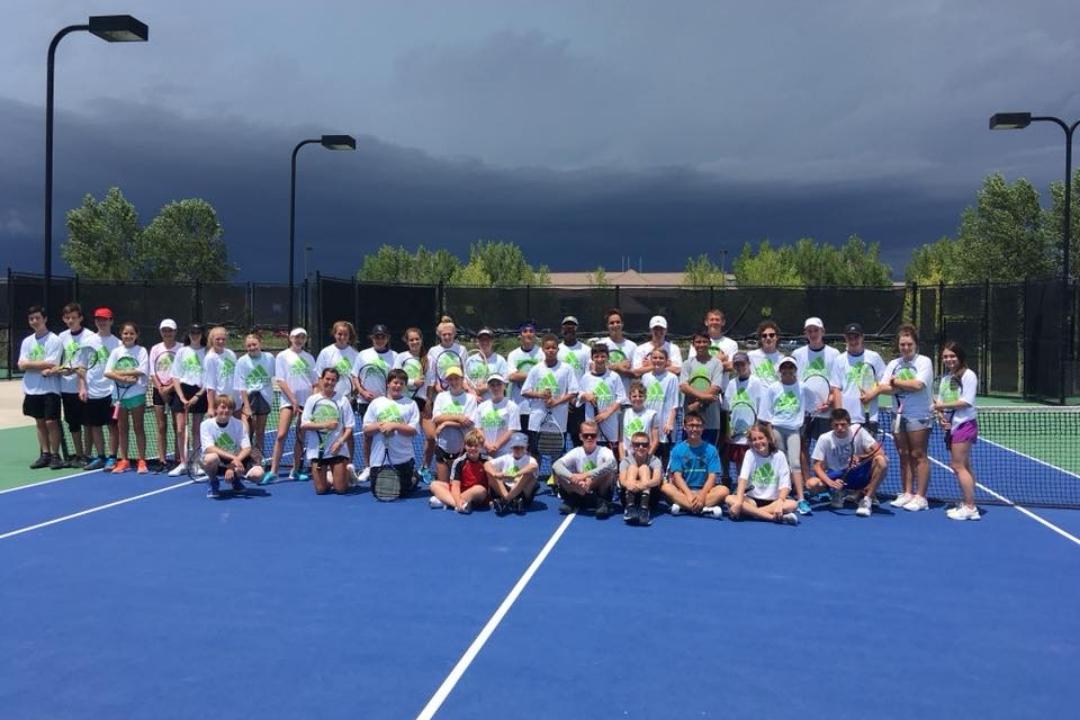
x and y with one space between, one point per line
626 278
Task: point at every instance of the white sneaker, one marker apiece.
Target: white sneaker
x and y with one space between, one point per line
917 503
715 511
435 503
836 499
199 472
178 470
963 512
790 519
464 508
675 509
865 507
363 475
902 499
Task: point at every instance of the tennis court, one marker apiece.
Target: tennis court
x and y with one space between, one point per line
135 596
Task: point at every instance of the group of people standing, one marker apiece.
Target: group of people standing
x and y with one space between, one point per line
791 426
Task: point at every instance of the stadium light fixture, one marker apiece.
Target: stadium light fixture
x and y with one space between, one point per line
330 142
112 28
1017 121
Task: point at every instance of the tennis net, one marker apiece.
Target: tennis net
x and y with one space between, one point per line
1025 455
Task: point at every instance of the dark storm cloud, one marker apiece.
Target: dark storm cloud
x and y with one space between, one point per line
350 203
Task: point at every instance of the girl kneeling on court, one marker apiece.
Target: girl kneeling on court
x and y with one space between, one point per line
467 488
327 422
512 477
764 483
128 366
955 408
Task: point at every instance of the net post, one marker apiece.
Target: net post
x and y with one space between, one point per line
1063 338
913 288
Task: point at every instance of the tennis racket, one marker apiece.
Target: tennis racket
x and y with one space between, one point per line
124 364
743 417
616 356
163 366
867 381
447 359
948 390
903 371
373 379
414 368
451 436
476 370
550 442
700 383
325 410
603 398
817 391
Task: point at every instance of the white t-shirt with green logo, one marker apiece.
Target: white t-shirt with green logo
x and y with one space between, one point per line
635 422
414 369
560 380
98 350
142 364
256 375
765 366
644 350
914 405
402 410
599 462
494 419
751 391
76 353
577 357
847 370
219 372
342 359
519 360
620 352
297 371
370 356
784 405
41 348
446 403
455 356
608 389
810 362
969 386
837 452
232 437
511 466
765 476
189 365
714 373
311 437
662 395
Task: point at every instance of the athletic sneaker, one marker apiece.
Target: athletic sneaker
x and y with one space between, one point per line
56 463
603 510
267 478
790 519
141 468
121 466
902 499
464 508
238 486
44 460
76 462
836 499
363 475
179 470
97 463
917 503
303 477
630 515
644 516
425 475
499 507
110 463
676 509
215 489
435 503
804 507
715 511
519 505
963 512
566 508
865 507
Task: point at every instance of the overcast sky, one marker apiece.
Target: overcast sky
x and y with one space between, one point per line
583 130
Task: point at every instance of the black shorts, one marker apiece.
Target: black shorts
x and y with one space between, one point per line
441 456
74 411
359 410
258 404
329 462
815 427
248 464
575 415
199 407
42 407
174 401
97 412
421 403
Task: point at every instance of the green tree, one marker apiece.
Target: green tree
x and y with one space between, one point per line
491 264
436 267
103 238
183 243
858 264
504 263
472 275
702 272
769 267
598 278
933 263
388 264
1054 220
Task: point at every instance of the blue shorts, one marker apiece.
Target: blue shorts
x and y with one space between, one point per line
854 478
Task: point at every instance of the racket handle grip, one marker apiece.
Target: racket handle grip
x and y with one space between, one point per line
116 411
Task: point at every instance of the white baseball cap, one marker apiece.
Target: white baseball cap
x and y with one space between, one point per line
813 322
297 331
167 324
496 376
657 321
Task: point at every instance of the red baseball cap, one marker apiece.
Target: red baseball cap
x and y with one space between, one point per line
103 313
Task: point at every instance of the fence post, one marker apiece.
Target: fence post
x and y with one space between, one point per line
618 299
74 289
440 302
356 304
940 319
984 356
712 297
12 358
528 303
198 302
1063 343
1025 353
250 302
317 293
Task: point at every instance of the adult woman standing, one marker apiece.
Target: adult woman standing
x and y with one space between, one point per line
908 378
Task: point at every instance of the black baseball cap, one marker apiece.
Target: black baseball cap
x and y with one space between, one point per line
380 329
853 329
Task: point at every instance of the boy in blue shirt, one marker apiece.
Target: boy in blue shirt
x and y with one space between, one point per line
691 486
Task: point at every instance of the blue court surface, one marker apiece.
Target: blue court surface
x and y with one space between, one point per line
160 603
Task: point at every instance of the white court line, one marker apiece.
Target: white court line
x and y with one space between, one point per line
50 481
99 508
452 679
1020 509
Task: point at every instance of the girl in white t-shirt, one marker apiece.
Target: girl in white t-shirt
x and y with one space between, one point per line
764 483
128 366
908 378
956 414
294 377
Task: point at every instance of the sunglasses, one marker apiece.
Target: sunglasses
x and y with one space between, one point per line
640 444
588 436
765 335
695 427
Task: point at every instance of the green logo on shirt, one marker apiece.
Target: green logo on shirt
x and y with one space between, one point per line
654 394
604 396
344 367
412 368
324 412
816 367
786 403
764 476
588 465
37 353
492 420
257 378
228 365
548 382
299 367
766 371
572 360
225 442
905 372
191 365
391 413
634 425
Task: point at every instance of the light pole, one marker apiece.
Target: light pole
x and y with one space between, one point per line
111 28
1018 121
330 142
